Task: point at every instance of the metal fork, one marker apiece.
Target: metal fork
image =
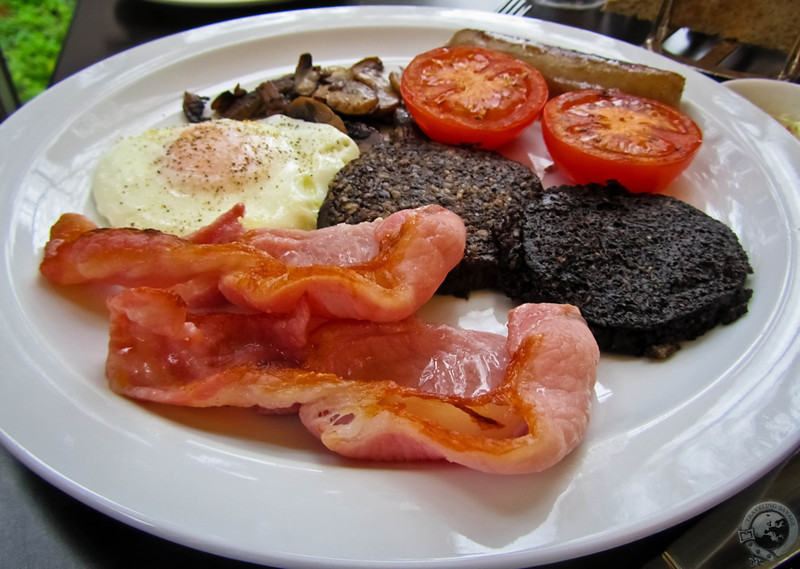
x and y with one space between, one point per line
515 8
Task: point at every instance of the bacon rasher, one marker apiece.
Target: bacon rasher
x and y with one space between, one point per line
395 265
524 410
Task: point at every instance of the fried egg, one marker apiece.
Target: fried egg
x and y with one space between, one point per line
180 178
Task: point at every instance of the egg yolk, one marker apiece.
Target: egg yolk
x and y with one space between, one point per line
209 158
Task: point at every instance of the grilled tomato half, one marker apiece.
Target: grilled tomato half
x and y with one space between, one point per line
472 95
599 135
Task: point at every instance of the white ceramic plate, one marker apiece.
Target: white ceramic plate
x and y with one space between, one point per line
668 439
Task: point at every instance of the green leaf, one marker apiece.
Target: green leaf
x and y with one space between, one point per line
31 34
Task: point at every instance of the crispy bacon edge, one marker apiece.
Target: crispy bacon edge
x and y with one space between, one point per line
536 417
416 250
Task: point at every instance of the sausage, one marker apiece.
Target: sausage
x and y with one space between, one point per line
569 70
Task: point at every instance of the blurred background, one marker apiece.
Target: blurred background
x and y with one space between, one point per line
31 34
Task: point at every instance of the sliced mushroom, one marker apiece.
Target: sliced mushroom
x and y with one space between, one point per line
335 73
306 76
357 92
225 99
396 78
308 109
370 72
238 105
244 108
352 98
274 96
194 107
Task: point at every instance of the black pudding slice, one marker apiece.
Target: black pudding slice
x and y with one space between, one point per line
488 191
646 270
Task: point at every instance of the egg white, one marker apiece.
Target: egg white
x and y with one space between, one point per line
178 179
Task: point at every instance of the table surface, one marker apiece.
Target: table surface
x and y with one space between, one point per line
40 526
